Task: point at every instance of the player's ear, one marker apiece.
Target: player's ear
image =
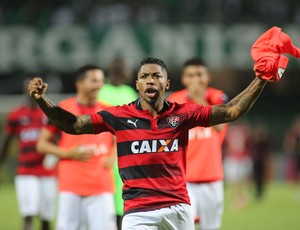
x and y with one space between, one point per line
136 85
167 84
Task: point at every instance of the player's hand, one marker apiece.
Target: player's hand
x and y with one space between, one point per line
108 162
37 88
80 154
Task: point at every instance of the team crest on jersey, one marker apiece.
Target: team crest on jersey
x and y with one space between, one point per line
173 121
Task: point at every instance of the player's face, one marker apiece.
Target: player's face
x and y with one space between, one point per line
92 83
152 82
195 74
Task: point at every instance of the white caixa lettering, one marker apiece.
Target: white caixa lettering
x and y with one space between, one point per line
98 149
200 133
29 134
155 146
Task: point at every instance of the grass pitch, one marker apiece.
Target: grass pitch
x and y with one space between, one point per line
279 210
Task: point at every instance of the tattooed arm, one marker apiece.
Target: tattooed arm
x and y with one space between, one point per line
61 118
239 105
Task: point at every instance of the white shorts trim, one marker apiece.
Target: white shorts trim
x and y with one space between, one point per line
207 201
36 196
78 212
175 217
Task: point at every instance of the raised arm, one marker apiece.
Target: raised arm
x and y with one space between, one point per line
239 105
61 118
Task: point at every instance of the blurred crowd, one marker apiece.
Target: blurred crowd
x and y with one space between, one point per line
104 13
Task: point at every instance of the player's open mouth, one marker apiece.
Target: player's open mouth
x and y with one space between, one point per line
150 92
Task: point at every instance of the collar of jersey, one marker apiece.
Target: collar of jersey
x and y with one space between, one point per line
166 105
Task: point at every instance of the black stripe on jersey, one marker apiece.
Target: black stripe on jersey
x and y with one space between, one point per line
162 123
125 123
29 164
30 149
108 118
150 171
128 123
142 192
124 148
14 123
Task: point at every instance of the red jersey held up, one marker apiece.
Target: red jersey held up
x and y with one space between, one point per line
26 123
152 151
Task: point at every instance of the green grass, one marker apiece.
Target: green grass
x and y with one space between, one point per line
279 211
8 208
9 213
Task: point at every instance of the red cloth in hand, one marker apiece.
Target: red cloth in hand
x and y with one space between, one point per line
266 52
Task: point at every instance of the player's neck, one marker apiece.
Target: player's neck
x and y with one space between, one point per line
85 101
153 108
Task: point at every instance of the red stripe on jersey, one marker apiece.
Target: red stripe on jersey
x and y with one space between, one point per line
151 203
154 158
162 181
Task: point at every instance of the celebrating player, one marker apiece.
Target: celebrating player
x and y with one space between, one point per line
204 156
152 138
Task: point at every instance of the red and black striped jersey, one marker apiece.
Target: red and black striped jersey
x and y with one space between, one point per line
26 122
152 151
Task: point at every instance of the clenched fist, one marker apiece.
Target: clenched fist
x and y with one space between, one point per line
37 88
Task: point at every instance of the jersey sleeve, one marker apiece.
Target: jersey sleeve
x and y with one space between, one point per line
198 115
104 120
12 123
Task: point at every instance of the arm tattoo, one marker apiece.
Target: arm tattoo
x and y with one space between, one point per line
239 105
65 120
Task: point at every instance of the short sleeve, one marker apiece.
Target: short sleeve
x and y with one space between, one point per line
12 123
104 120
198 115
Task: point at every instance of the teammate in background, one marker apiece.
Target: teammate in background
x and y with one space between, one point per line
291 144
116 92
84 171
238 163
262 151
204 173
35 184
152 138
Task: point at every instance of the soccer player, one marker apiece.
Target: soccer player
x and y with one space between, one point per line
291 144
238 146
35 184
204 172
262 153
116 92
84 171
152 137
